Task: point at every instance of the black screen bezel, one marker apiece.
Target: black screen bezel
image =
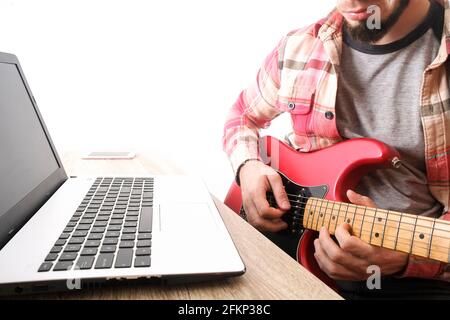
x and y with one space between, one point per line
16 217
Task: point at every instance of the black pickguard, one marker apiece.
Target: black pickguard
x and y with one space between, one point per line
288 239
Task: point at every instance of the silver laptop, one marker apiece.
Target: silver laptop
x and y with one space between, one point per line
60 233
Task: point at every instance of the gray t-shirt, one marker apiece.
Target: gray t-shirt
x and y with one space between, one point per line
379 97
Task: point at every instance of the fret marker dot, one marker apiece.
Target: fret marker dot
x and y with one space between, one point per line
421 236
311 213
348 220
321 215
334 217
380 219
377 235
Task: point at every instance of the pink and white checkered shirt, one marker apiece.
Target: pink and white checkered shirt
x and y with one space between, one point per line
302 71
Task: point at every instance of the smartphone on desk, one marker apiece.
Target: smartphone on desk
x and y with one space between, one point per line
109 155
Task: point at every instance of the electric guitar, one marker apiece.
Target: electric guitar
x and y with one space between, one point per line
316 184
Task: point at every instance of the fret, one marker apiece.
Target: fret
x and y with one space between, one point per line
336 219
441 241
323 215
406 232
398 232
431 239
317 214
350 219
362 224
330 216
422 235
310 213
386 218
378 227
413 235
390 236
346 213
373 224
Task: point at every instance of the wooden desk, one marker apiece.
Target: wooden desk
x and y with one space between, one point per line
271 274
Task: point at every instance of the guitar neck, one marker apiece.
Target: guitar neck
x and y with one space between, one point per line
420 236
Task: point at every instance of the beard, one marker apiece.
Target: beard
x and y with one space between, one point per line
363 33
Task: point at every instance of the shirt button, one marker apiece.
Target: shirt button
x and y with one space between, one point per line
291 106
329 115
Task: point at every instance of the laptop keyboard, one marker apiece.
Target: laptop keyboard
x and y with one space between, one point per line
111 228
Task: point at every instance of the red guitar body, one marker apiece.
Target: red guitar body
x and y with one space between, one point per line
327 173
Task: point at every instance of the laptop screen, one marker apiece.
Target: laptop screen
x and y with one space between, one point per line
26 156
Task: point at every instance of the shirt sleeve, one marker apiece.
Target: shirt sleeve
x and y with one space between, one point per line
418 267
255 107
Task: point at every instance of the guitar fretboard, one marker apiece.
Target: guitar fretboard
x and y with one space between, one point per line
421 236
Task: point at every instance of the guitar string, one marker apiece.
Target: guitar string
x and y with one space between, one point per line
390 213
356 214
409 240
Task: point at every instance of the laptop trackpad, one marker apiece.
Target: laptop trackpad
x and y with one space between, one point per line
188 217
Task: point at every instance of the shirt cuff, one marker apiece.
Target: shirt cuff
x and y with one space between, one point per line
418 267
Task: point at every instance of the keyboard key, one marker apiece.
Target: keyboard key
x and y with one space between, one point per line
128 237
60 242
72 248
76 240
83 227
143 251
104 261
114 228
92 243
126 244
98 230
95 236
68 230
56 249
108 249
63 266
109 241
130 218
80 233
112 234
89 252
68 256
85 263
144 236
144 243
146 219
129 230
51 257
46 266
142 261
86 221
100 224
124 258
130 224
71 224
115 222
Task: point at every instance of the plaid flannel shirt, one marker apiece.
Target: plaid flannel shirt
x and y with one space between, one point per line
300 76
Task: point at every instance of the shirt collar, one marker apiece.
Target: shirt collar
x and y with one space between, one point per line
332 29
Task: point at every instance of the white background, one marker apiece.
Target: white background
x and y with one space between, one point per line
147 76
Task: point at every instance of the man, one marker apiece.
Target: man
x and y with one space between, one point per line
345 77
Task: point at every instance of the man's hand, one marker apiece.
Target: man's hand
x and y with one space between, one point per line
256 179
350 258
